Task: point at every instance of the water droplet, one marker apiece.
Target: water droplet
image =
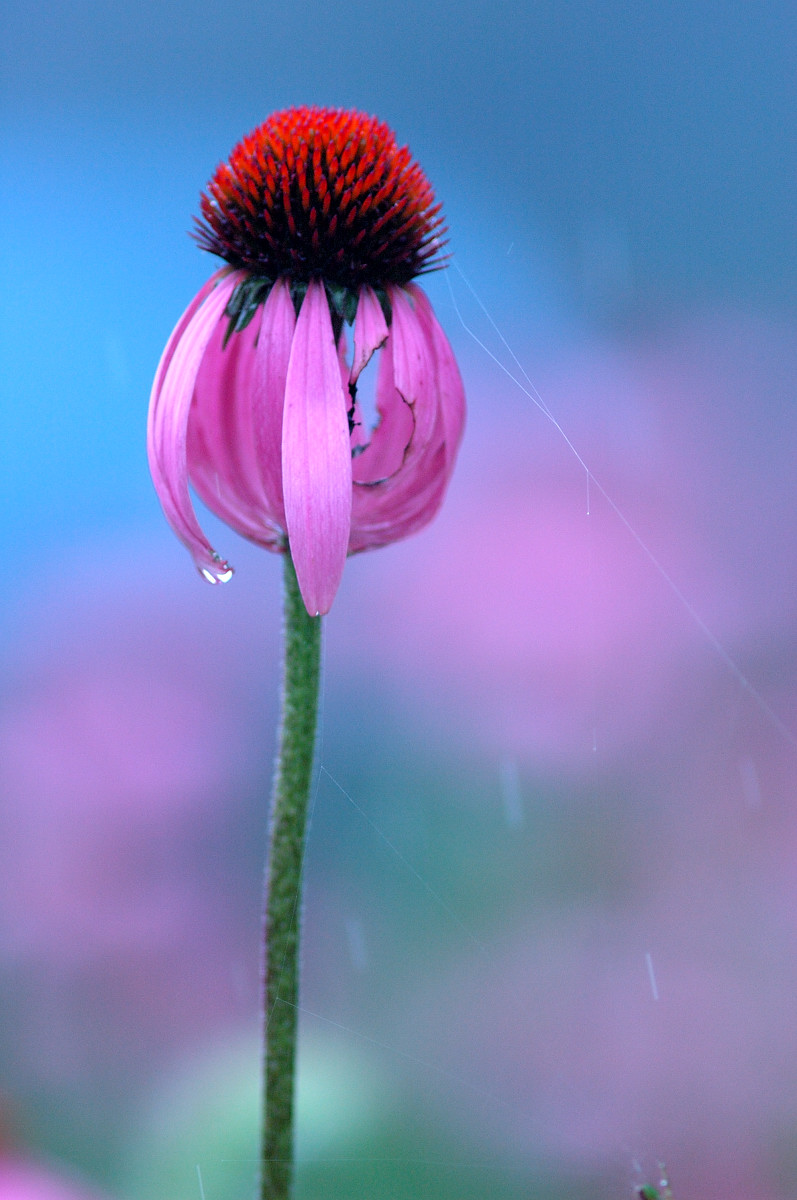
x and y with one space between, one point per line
220 572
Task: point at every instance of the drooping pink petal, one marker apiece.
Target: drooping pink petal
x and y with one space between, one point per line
403 505
223 463
413 365
235 425
409 497
343 350
449 380
268 389
391 438
316 455
408 388
359 429
170 405
370 330
179 328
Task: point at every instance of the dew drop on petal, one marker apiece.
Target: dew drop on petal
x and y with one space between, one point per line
222 573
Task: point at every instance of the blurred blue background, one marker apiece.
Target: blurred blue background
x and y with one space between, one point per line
550 932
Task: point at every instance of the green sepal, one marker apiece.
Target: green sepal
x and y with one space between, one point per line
385 305
298 289
342 301
244 302
253 291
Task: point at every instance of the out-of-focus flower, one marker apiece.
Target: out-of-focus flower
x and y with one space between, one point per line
204 1109
567 647
563 635
23 1180
323 220
656 1022
125 933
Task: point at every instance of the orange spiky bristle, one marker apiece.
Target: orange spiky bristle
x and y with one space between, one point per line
323 193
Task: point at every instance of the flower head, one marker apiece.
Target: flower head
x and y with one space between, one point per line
323 221
322 193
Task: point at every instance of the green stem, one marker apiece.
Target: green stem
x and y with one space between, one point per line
283 889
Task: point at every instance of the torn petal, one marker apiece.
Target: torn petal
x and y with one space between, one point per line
370 330
413 365
391 438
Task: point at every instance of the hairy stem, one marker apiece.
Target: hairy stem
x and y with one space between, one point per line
283 904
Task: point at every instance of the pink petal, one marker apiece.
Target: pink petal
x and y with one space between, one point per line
391 438
449 380
223 460
413 365
170 405
403 505
179 328
410 496
370 330
316 455
268 388
235 425
408 397
360 432
343 349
